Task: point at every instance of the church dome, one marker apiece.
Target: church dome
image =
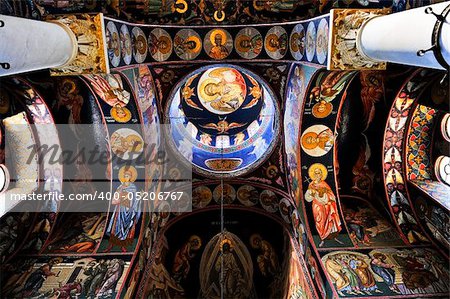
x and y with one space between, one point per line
223 120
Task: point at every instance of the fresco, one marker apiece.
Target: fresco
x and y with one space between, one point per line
394 176
387 272
307 41
367 227
320 201
323 207
63 276
295 96
209 130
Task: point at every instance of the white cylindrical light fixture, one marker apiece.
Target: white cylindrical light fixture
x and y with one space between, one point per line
398 37
28 45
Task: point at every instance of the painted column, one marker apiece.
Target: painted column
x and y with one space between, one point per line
398 37
28 45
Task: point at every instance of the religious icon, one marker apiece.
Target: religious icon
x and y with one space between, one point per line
139 42
248 195
160 44
223 164
330 87
222 90
317 140
127 143
125 44
218 44
297 42
269 201
226 269
223 126
110 89
187 44
121 227
120 114
322 109
113 42
285 209
181 263
268 259
248 43
324 207
276 42
225 192
310 41
322 41
201 197
38 277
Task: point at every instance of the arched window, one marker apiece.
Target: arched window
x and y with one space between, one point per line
442 169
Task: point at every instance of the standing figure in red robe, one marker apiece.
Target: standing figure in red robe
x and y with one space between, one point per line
325 212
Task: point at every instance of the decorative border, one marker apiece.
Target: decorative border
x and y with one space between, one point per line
285 41
394 175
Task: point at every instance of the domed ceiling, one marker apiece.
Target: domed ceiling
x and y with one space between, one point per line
223 119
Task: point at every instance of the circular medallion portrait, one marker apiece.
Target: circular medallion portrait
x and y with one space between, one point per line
127 143
226 191
269 201
160 44
310 41
248 43
139 42
218 44
317 140
187 44
322 109
113 43
201 197
285 209
248 195
322 41
120 114
297 42
125 44
276 42
222 90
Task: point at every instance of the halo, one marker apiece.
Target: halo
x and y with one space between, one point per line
127 168
225 241
121 119
141 40
72 84
214 32
199 241
307 145
325 113
205 97
320 166
135 138
253 239
238 42
198 43
269 47
167 40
